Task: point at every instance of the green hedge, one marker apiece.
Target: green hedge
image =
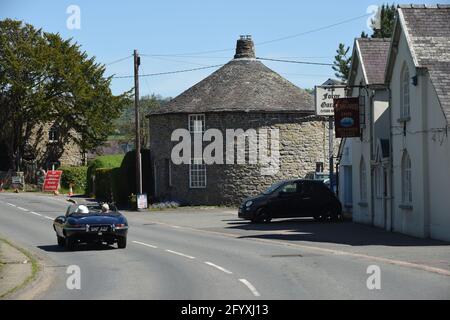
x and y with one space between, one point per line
117 184
110 161
103 185
128 172
75 175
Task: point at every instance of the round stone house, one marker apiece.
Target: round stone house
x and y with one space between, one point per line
241 104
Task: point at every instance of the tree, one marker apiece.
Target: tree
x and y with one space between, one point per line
386 23
125 124
342 62
381 29
48 81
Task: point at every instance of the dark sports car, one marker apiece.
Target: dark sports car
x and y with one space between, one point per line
91 223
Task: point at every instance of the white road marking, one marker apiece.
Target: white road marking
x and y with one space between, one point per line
49 218
145 244
13 205
251 287
23 209
35 213
218 267
180 254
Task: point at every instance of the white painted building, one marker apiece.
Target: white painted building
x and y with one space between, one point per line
418 76
345 190
370 152
401 163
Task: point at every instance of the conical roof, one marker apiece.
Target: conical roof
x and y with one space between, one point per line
243 84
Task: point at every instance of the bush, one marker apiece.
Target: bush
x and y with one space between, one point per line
77 176
117 184
110 161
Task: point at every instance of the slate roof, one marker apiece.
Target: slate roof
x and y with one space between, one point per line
243 84
374 53
428 32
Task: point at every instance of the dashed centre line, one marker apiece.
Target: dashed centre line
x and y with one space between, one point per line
251 287
35 213
11 204
23 209
180 254
145 244
218 267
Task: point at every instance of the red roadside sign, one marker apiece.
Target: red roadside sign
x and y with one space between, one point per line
51 182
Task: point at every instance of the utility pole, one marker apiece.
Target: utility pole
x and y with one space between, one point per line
137 62
331 149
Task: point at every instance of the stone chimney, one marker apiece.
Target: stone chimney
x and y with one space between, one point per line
245 47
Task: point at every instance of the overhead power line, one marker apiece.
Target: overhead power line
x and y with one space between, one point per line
118 60
268 41
168 72
293 61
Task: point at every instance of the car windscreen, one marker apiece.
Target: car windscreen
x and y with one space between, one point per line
94 211
273 187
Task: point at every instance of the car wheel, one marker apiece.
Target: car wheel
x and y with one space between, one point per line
261 216
331 213
70 243
60 241
122 243
319 218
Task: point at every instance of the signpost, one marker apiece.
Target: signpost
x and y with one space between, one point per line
51 182
324 107
324 99
142 201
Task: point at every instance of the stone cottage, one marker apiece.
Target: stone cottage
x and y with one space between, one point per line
241 102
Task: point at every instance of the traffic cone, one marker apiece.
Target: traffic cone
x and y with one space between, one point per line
70 190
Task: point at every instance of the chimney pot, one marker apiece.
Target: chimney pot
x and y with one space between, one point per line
245 47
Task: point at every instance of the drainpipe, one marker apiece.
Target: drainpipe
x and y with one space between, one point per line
391 164
372 173
423 83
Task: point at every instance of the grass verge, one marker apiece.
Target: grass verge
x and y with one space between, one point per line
34 269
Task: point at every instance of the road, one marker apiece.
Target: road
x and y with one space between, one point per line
163 261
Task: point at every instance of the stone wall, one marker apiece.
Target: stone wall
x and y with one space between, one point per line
303 142
39 140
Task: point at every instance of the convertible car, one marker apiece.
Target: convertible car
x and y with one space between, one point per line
91 223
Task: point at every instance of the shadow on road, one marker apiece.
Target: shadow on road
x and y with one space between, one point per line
346 233
80 247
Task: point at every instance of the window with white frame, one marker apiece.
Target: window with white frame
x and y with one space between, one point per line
406 179
404 93
196 123
362 181
197 174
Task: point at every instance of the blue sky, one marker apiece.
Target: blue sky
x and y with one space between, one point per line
110 30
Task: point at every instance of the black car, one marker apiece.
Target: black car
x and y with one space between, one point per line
292 198
91 225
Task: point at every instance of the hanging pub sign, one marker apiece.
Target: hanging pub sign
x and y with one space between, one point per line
346 117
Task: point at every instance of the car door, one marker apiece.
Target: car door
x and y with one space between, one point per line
282 203
306 199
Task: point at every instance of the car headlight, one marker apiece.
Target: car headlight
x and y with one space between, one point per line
248 203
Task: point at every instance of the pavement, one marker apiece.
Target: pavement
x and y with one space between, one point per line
15 269
208 253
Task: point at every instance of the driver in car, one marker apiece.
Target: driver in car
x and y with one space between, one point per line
82 209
